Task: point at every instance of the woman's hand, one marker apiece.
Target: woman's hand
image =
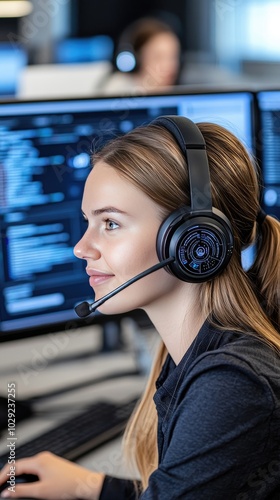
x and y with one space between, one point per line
58 479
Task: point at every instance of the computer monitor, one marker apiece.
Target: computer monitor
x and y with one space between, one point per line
60 81
79 50
44 161
12 61
269 149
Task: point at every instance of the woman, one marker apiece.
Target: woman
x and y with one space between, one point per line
148 58
210 428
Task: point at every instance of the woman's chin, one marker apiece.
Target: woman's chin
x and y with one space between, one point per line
110 308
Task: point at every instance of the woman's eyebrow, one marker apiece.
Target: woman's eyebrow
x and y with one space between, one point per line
100 211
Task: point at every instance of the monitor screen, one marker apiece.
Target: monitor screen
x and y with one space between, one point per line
79 50
12 60
269 149
45 156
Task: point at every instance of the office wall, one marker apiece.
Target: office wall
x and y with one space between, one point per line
116 15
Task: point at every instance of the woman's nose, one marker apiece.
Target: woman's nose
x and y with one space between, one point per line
86 249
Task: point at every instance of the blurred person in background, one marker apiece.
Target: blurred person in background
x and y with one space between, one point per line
147 58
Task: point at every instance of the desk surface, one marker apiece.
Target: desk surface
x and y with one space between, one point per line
56 361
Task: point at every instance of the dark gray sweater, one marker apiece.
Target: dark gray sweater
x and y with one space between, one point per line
218 423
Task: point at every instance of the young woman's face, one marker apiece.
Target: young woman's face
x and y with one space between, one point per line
120 241
160 60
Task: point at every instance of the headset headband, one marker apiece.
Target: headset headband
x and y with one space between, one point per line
192 144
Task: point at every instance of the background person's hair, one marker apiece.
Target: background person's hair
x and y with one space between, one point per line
150 158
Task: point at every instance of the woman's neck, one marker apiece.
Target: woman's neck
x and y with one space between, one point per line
178 318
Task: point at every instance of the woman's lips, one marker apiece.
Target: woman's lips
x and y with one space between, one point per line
97 277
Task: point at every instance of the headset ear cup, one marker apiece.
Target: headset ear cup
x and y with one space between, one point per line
201 244
166 231
122 53
126 46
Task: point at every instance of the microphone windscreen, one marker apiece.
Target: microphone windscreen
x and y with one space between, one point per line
83 309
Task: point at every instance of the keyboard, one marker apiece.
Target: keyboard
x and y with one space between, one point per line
98 424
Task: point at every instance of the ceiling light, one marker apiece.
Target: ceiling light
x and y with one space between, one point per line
15 8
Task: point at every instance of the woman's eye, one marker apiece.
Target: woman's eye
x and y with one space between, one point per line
110 225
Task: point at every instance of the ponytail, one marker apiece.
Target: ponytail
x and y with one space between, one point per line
265 272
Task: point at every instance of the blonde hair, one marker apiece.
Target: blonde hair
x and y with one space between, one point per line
245 301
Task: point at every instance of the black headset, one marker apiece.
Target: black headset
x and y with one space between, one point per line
126 45
199 236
